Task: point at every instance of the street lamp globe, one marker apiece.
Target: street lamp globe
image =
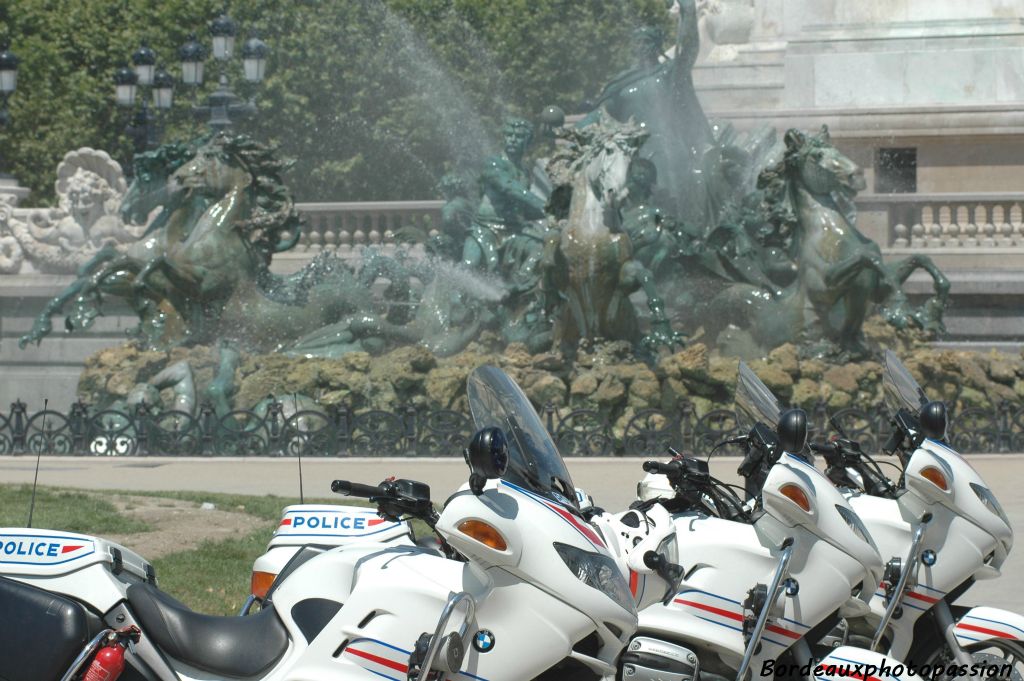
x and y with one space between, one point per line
254 58
125 80
163 89
144 60
192 54
8 70
223 29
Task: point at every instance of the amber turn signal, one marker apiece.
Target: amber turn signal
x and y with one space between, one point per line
936 477
261 583
797 496
483 533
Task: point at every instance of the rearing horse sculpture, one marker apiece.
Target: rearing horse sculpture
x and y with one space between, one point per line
588 265
808 197
201 273
113 269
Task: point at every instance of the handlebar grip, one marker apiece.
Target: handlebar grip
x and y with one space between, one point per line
662 468
348 488
821 449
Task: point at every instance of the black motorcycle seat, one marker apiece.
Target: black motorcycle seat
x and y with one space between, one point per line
228 646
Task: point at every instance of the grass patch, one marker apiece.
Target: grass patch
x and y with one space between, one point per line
66 510
267 506
213 578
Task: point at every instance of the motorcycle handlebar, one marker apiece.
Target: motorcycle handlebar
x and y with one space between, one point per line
348 488
822 449
670 468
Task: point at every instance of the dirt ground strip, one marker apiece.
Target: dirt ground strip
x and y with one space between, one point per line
178 525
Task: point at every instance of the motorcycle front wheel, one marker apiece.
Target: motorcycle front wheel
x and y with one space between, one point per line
1006 656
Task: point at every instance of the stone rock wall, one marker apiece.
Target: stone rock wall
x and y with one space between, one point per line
606 378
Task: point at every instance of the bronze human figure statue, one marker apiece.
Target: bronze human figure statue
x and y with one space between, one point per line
661 98
648 228
507 206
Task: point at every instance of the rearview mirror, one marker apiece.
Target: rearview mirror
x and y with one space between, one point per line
487 456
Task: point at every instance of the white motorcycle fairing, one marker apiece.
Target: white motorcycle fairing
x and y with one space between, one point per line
725 559
967 538
392 594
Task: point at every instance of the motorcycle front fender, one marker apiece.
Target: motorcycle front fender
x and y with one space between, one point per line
846 663
986 624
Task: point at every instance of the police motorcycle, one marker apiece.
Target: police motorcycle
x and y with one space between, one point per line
731 590
939 527
522 588
310 529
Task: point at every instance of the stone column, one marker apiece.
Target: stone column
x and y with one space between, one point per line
10 192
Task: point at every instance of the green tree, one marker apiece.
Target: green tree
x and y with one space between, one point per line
375 99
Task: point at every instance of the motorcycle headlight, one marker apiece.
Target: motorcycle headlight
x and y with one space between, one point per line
855 524
989 499
598 572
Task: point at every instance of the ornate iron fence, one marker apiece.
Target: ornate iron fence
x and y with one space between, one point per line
340 431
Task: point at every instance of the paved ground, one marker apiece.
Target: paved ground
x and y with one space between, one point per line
612 482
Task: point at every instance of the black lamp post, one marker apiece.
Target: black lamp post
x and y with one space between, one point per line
8 84
8 80
223 107
145 126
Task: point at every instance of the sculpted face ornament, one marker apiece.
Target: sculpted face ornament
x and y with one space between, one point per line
518 135
647 42
86 199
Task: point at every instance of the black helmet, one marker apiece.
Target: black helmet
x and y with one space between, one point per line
933 420
792 430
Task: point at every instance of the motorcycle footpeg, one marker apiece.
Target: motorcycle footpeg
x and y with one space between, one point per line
651 659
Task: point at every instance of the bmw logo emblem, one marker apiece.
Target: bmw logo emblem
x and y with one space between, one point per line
484 641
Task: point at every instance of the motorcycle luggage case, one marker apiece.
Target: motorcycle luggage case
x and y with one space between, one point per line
334 525
41 633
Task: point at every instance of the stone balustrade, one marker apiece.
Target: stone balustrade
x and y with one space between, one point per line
346 227
967 220
949 221
950 225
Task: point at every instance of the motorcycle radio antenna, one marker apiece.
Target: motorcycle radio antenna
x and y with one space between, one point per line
295 404
39 455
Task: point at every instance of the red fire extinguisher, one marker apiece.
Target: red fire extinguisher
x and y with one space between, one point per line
108 662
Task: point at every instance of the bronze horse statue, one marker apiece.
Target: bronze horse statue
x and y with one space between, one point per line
808 198
589 269
201 272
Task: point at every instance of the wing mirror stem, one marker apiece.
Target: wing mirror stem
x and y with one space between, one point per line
910 566
774 589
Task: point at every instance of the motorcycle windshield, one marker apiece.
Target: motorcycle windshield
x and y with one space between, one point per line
495 400
754 400
901 390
